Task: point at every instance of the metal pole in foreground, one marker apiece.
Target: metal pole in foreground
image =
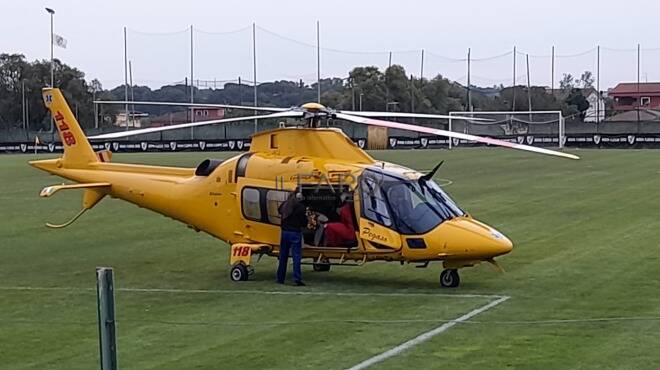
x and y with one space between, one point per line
105 296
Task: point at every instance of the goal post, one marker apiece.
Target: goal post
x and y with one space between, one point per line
510 123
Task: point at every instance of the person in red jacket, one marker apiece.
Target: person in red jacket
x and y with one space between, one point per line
342 233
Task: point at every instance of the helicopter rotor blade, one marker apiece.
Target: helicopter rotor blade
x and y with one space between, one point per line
115 135
372 114
451 134
200 105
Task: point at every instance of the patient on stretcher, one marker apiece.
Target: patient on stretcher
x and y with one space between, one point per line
341 233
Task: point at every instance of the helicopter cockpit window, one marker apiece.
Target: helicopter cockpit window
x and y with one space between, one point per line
415 206
374 205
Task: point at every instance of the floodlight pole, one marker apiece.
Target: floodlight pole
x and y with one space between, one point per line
562 123
254 65
513 102
125 78
469 93
52 65
529 88
318 62
552 72
449 129
130 82
192 86
105 296
598 84
387 86
639 105
421 70
23 106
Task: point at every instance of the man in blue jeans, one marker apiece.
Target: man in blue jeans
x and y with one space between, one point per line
294 219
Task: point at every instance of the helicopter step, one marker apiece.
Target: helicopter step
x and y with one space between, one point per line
322 263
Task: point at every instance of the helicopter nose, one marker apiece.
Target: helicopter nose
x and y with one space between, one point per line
500 243
470 237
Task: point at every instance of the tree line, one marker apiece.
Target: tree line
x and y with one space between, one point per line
365 88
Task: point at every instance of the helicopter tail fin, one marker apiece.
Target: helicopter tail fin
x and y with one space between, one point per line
77 150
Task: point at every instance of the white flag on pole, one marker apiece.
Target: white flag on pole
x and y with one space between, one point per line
59 41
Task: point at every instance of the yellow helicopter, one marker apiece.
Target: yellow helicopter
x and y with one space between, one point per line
395 213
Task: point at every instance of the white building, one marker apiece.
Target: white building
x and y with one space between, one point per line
596 110
136 119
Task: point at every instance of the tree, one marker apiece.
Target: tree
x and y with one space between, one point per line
369 83
567 82
576 103
586 80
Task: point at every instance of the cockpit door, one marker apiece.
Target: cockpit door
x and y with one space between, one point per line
375 216
379 235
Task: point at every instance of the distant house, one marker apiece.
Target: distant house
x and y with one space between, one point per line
630 96
198 114
135 119
490 92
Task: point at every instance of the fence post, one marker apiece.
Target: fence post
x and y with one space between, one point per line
106 315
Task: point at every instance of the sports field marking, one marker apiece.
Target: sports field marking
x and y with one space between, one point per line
425 336
404 321
245 291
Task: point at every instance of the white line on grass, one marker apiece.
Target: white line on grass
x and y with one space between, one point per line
267 292
425 336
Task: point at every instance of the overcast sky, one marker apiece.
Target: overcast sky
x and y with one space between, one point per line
352 33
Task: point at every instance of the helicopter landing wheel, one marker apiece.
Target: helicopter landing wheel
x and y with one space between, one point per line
239 272
449 278
321 267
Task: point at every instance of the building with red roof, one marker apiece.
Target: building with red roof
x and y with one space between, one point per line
631 95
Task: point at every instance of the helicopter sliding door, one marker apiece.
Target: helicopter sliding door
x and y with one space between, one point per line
332 220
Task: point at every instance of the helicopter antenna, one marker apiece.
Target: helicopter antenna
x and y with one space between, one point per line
430 175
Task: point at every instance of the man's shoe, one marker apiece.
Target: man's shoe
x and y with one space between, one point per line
300 283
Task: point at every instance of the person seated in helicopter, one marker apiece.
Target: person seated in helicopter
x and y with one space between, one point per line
399 199
342 232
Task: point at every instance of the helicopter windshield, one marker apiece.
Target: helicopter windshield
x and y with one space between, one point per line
408 206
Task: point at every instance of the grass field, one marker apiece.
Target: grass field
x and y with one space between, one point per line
586 247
